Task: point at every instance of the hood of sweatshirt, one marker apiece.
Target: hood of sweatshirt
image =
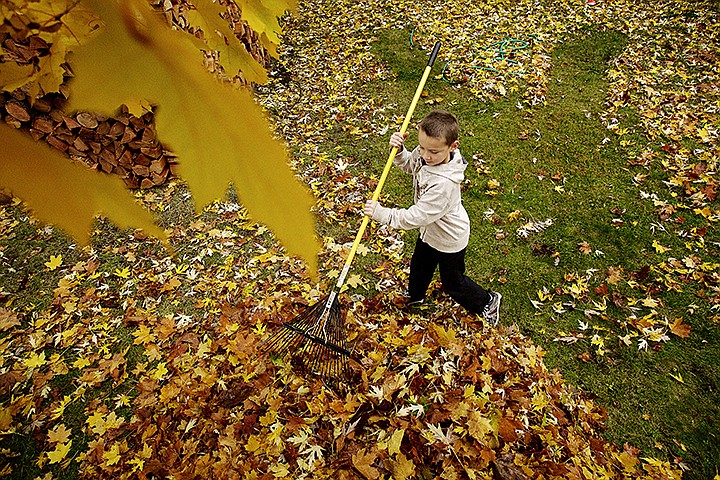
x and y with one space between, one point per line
453 170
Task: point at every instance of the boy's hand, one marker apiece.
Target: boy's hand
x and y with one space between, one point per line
370 207
397 140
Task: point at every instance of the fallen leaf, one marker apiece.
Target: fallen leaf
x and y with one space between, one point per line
680 329
60 434
60 452
584 248
363 461
402 468
8 319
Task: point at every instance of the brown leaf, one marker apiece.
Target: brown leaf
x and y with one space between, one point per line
8 319
60 434
362 461
402 468
585 357
507 429
505 469
584 248
680 329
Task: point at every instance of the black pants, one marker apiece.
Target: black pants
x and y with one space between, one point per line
461 288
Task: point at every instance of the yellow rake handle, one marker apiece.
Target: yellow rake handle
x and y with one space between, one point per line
388 164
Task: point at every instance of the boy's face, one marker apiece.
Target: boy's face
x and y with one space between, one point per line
434 150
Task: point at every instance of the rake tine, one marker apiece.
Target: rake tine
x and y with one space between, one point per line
317 338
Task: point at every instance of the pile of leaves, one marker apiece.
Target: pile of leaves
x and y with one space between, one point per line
146 393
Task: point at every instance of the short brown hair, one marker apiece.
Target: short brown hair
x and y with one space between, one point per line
440 124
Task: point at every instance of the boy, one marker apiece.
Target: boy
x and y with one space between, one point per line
438 170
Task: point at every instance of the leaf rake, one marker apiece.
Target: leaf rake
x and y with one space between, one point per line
316 338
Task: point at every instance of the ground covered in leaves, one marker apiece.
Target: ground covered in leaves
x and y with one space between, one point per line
136 364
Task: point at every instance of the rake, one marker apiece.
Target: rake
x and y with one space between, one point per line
316 338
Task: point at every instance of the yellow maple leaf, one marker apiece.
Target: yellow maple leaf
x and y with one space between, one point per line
262 16
402 468
479 425
252 444
54 262
14 76
124 273
112 456
704 134
233 54
35 360
199 118
62 24
659 248
705 212
96 421
159 371
60 452
81 363
67 195
60 409
354 281
445 337
649 302
628 461
143 335
138 463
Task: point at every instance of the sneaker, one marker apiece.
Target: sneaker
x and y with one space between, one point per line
403 301
491 312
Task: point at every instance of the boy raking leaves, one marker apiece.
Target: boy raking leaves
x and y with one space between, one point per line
438 170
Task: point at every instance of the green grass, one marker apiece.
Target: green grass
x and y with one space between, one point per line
647 405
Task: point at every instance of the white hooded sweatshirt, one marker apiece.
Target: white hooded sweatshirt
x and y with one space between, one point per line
438 211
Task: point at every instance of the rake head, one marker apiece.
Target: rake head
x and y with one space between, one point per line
315 340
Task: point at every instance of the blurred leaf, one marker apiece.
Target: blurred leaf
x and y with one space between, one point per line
13 76
262 15
220 135
67 195
233 54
